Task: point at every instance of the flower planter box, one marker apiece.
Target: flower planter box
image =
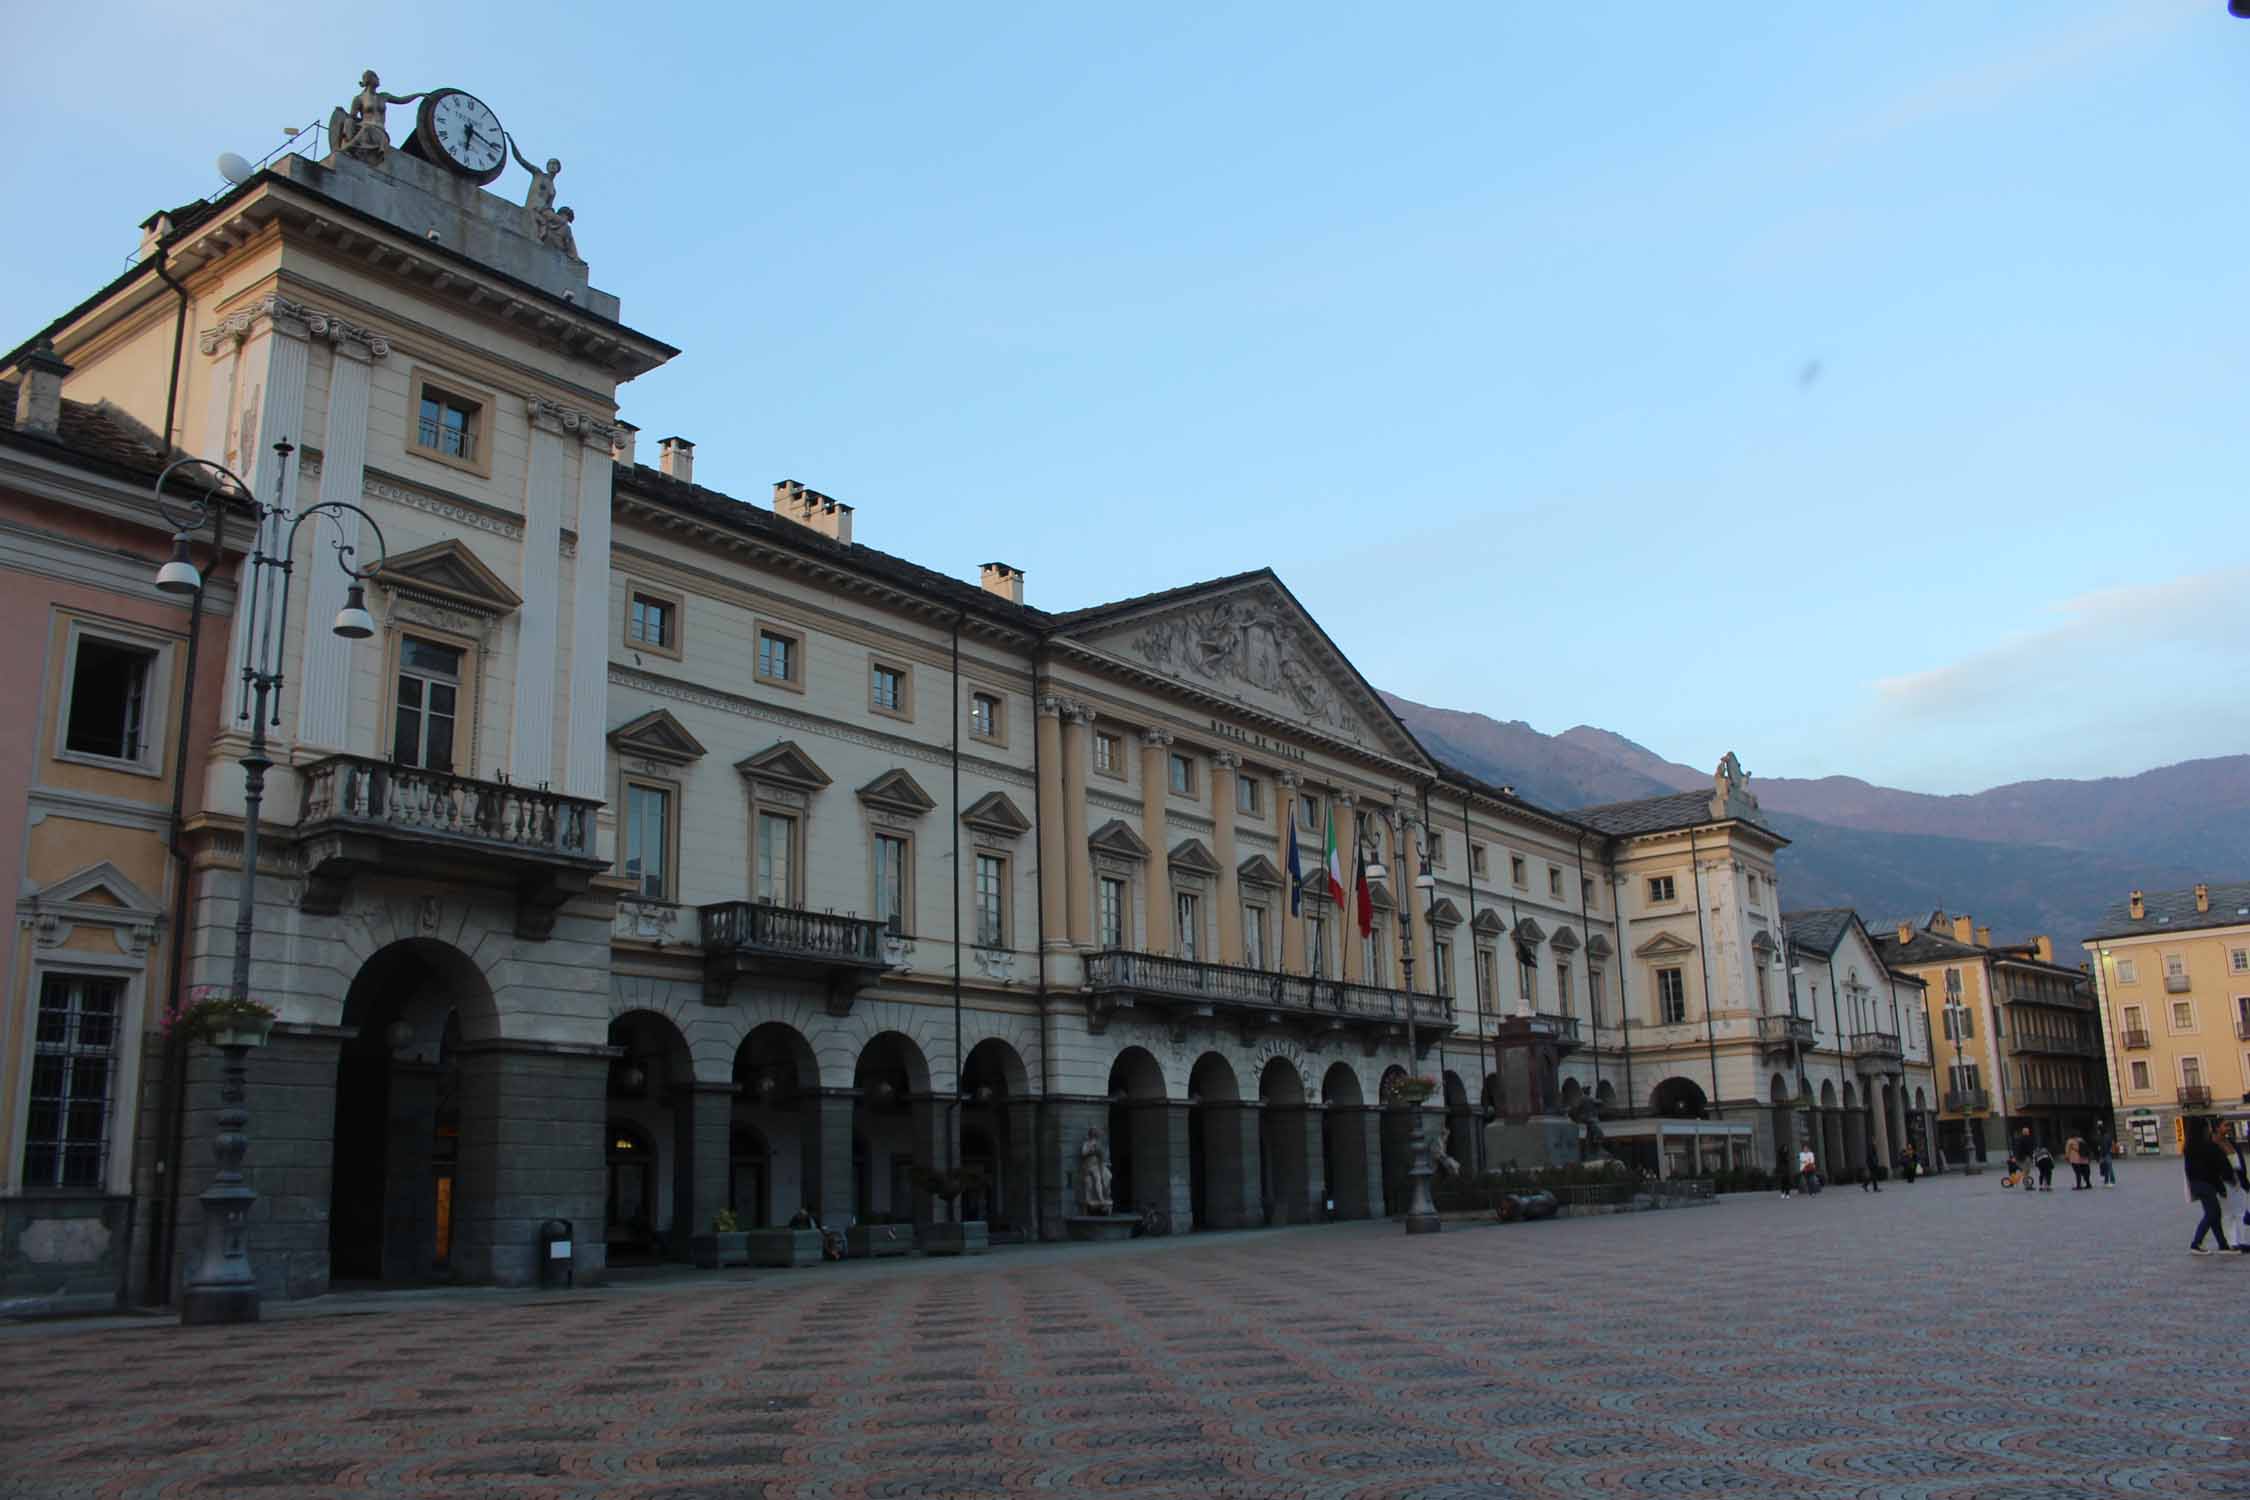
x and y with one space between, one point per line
247 1032
784 1247
712 1251
969 1238
877 1241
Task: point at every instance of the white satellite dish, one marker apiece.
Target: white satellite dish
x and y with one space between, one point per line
233 168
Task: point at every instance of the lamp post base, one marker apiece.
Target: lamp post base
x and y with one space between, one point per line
204 1305
1421 1213
222 1288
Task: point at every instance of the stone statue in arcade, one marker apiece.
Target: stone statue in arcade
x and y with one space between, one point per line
1093 1174
1587 1112
1447 1164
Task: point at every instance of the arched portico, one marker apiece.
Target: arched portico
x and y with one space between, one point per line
1781 1103
650 1200
1351 1145
1678 1098
897 1125
1398 1142
779 1121
996 1137
1222 1147
1288 1145
1833 1159
1148 1141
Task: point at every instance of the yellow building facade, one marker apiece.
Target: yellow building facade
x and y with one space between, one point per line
2173 971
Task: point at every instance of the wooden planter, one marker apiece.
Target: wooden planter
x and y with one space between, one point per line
712 1251
784 1247
969 1238
877 1241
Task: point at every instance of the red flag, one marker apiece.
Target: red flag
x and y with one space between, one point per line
1365 895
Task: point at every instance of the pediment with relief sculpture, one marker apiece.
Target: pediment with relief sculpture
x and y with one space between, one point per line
1250 641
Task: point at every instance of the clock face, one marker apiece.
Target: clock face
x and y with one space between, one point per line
467 134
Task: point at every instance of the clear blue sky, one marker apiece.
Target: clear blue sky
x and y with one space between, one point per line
1864 388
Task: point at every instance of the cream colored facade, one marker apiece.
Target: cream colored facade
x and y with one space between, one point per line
2173 971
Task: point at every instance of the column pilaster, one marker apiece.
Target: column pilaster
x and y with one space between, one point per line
1155 789
1226 772
1354 967
324 691
1075 764
1054 860
531 739
827 1155
586 743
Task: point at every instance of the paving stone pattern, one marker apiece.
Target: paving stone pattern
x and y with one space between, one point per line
1938 1342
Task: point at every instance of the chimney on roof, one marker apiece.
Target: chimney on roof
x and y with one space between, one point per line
813 510
2202 897
1984 937
2139 907
153 228
1905 932
39 378
2044 946
1004 580
1964 931
678 460
621 446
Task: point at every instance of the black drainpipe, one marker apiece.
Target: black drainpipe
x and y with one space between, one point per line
1703 954
172 1117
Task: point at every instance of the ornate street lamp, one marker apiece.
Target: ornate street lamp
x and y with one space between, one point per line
221 1288
1421 1212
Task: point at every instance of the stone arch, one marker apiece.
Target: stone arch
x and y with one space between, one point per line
1350 1191
1572 1092
456 938
1460 1141
1828 1093
414 1161
1145 1169
776 1103
996 1136
897 1125
650 1192
1678 1098
1222 1147
1287 1151
1777 1090
1605 1093
1397 1140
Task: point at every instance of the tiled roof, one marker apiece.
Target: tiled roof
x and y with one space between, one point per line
1648 814
1818 930
1925 947
2174 911
1094 612
96 430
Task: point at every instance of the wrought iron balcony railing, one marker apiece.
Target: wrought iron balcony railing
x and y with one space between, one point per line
1116 972
2195 1095
2136 1041
1967 1101
2055 1046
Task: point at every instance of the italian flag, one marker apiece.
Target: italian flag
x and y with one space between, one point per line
1334 862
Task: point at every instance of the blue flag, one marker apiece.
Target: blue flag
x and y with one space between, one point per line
1296 873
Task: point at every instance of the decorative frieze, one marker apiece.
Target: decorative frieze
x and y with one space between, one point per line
294 320
555 417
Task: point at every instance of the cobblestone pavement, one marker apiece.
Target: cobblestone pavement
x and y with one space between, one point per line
1936 1342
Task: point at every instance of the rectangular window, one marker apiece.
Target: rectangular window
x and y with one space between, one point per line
1437 851
73 1071
648 839
1245 794
2133 1018
2238 960
1518 870
1563 997
992 901
1660 888
984 716
1316 946
1594 993
653 622
891 883
887 690
780 657
2140 1075
2183 1016
1952 985
2128 971
1253 935
1765 988
1112 912
1671 996
1372 949
427 704
776 881
1106 757
1488 979
2175 967
1586 890
1753 890
2191 1072
449 426
110 684
1187 923
1971 1077
1554 882
1308 812
1183 775
1479 858
1527 977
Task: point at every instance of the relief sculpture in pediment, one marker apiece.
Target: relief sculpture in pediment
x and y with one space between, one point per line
1241 641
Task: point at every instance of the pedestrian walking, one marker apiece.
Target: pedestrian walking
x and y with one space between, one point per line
1785 1170
2081 1164
1909 1163
1808 1171
2208 1173
2023 1155
1874 1166
2107 1154
2044 1160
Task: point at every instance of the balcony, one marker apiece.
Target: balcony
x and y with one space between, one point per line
757 939
2195 1095
2242 1028
1785 1033
1878 1052
2136 1041
1967 1102
2175 984
361 815
1188 989
2059 1098
2055 1046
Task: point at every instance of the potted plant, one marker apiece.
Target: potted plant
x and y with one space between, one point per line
879 1236
1411 1092
726 1245
221 1020
951 1235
